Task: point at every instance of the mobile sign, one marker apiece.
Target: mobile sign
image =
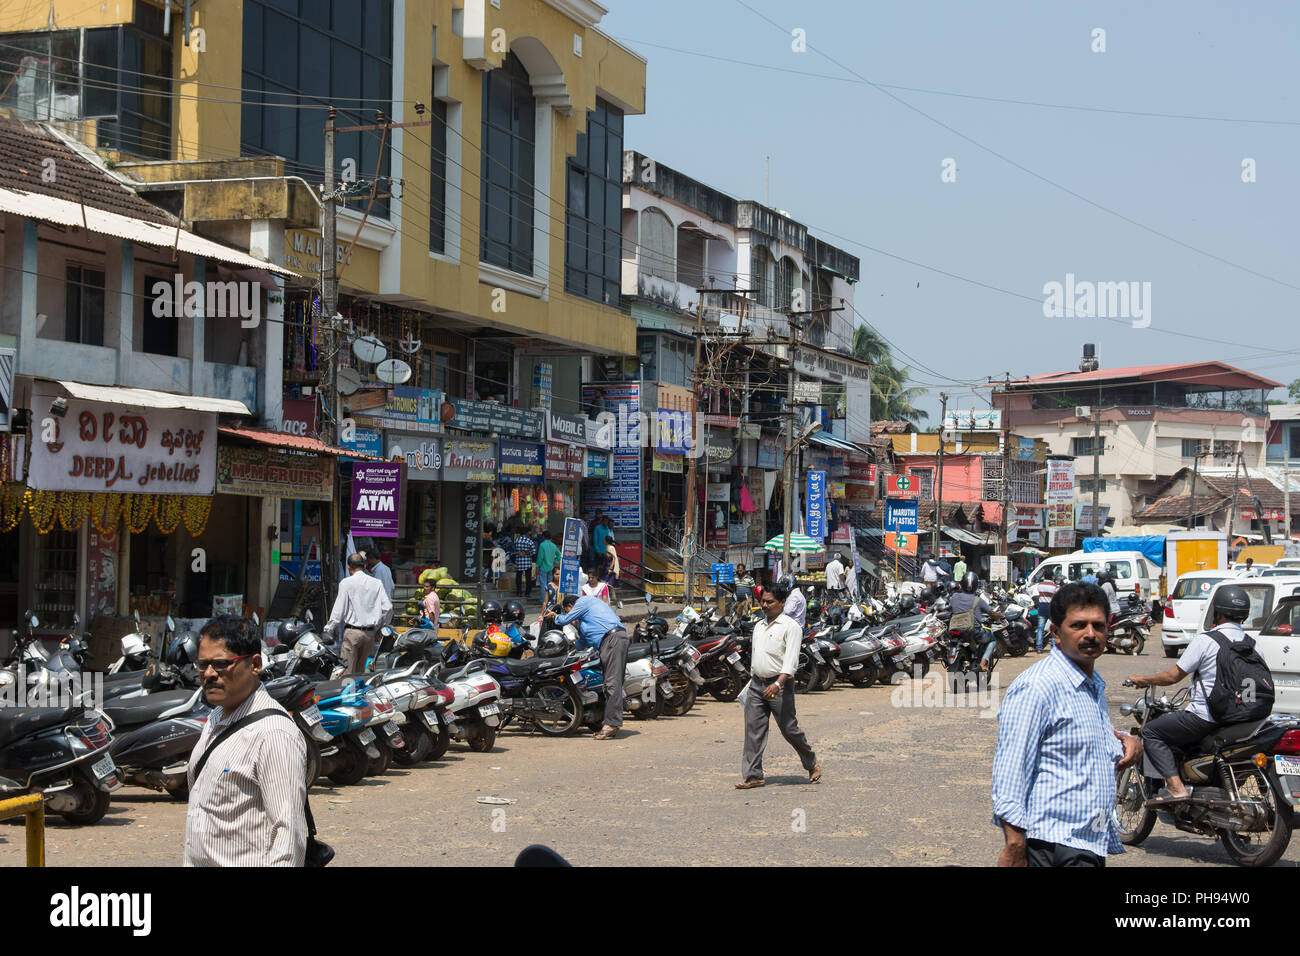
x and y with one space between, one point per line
901 486
901 514
571 557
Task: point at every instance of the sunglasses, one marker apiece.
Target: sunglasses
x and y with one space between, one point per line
220 666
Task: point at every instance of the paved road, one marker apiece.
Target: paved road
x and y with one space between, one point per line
904 784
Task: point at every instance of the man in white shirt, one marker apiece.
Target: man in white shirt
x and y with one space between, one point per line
377 569
770 692
796 605
1231 606
361 606
835 578
931 570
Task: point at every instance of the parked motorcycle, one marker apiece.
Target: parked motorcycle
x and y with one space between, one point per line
61 753
1129 631
1245 781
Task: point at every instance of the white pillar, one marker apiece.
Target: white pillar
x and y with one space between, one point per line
123 306
197 326
266 241
23 297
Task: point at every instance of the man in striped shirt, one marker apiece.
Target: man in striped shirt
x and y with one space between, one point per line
1054 770
248 805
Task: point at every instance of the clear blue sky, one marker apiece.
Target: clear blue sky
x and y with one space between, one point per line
862 169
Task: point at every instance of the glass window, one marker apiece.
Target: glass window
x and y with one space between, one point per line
314 66
85 306
1083 446
594 200
1193 589
656 257
101 72
1122 570
438 176
506 213
160 332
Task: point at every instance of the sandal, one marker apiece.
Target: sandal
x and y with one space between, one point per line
606 733
1165 798
751 783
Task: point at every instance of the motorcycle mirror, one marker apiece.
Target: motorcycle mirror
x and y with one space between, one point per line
310 619
137 618
76 620
171 625
257 621
32 621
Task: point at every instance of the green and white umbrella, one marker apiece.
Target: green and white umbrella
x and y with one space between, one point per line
799 544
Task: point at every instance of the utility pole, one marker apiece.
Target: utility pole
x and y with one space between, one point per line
689 506
1006 461
329 309
787 481
1286 494
1236 484
1191 495
938 502
1096 466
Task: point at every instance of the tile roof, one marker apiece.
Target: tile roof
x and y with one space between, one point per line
24 148
266 436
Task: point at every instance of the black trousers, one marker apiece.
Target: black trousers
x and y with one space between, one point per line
1042 853
1161 735
524 582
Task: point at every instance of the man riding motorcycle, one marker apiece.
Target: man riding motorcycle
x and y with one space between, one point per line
968 599
1231 606
1106 581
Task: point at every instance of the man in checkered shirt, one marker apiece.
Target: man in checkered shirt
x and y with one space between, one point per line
523 549
1054 770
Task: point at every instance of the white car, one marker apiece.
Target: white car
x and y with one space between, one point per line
1280 650
1185 607
1239 568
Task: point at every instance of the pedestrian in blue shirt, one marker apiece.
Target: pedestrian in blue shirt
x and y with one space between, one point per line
1054 770
600 627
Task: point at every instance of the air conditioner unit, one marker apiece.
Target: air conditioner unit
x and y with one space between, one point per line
1083 411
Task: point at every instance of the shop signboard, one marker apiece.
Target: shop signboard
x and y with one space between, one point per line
494 417
863 472
1083 516
843 533
564 462
620 496
522 462
423 456
100 446
274 473
571 557
973 420
619 404
1059 513
469 459
366 441
999 568
736 533
597 464
817 507
298 417
470 547
902 486
599 434
718 492
668 464
902 542
723 573
376 499
1028 517
1025 449
8 362
408 408
543 377
901 514
769 452
672 431
570 429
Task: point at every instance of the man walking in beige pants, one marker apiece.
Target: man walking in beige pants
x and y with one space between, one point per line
360 607
771 693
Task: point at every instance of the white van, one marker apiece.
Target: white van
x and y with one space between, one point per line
1185 609
1276 649
1132 571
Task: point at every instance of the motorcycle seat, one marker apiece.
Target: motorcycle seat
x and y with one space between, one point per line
528 666
1229 734
134 711
639 652
18 722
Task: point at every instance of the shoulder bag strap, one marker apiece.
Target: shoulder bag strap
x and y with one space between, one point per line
237 725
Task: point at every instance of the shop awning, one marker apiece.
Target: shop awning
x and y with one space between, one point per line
265 436
146 398
830 441
67 213
969 537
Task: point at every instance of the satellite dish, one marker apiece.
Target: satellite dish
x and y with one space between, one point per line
393 371
368 348
349 381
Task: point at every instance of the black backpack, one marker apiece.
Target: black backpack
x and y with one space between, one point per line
1243 685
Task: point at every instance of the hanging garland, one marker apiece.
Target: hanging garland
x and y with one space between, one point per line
138 511
105 511
41 506
196 509
73 508
13 499
168 513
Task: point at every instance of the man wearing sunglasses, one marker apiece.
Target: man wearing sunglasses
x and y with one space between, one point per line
247 803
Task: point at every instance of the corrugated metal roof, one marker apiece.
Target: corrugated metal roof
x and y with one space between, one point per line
147 398
67 213
1193 372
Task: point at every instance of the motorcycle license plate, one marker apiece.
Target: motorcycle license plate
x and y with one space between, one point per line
855 667
733 657
430 719
366 736
311 715
390 730
1287 765
448 718
489 710
104 768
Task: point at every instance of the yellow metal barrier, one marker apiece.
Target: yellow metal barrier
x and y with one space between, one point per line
33 808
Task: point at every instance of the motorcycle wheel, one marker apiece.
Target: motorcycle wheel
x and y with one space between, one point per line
1140 638
684 697
865 676
355 764
924 665
482 739
1133 818
828 677
313 761
1242 847
1019 646
93 804
651 711
418 744
441 741
1172 651
566 697
805 678
728 687
378 766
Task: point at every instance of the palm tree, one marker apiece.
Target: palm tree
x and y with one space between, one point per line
891 400
868 346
